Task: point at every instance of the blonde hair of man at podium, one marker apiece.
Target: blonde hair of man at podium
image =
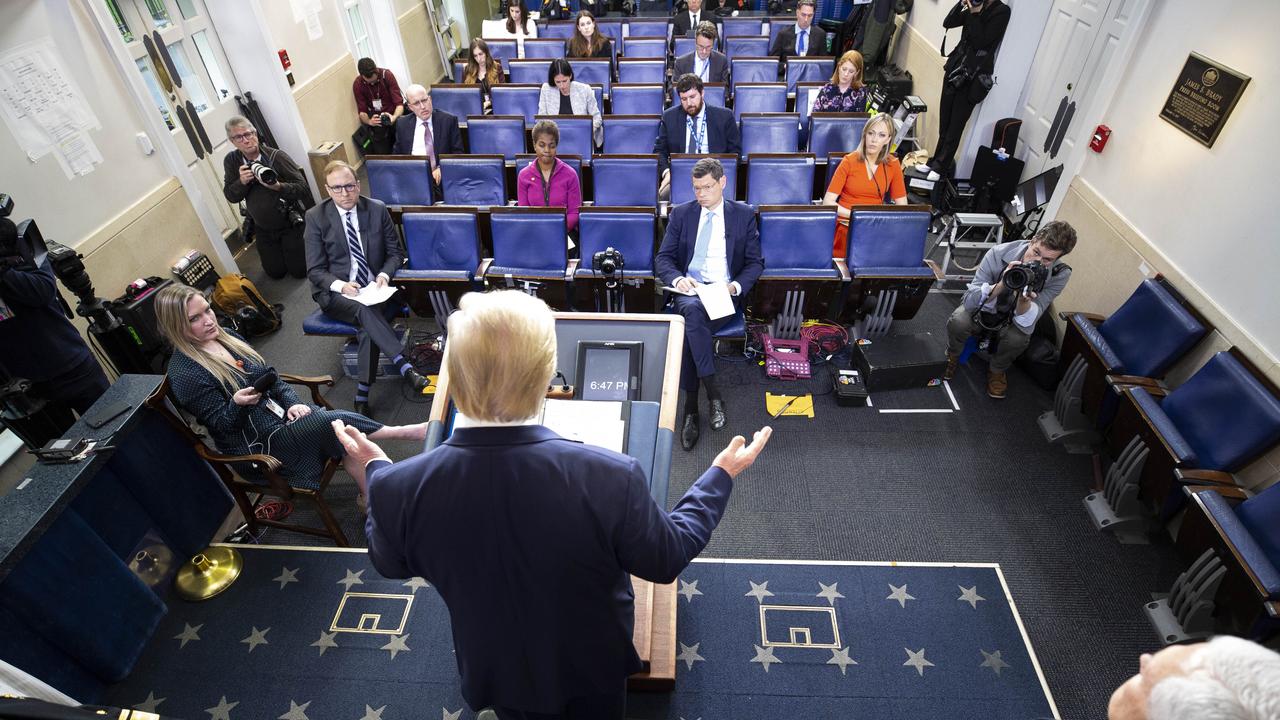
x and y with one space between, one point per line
501 355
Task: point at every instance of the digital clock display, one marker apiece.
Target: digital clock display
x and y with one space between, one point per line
606 374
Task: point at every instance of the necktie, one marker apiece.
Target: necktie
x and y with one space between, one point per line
804 42
700 248
429 143
357 254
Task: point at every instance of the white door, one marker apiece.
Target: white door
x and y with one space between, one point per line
1080 41
176 51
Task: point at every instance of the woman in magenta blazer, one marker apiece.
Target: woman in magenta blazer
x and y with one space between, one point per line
549 181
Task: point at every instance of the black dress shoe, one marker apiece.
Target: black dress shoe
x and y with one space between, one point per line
416 380
362 408
718 417
689 431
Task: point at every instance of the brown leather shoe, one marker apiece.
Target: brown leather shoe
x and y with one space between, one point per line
997 384
953 361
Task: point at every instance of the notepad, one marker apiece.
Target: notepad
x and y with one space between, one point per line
599 423
372 295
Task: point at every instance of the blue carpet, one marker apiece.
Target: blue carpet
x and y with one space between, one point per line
756 640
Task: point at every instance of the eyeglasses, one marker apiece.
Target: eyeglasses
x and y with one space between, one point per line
421 102
244 136
343 189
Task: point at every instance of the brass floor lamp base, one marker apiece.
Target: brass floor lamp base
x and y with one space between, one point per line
208 573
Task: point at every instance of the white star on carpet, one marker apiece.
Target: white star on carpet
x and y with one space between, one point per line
371 714
759 592
764 656
446 715
149 705
970 595
689 654
829 592
899 594
296 711
841 657
993 661
221 711
414 584
352 578
188 634
688 590
917 661
325 642
286 576
256 638
396 644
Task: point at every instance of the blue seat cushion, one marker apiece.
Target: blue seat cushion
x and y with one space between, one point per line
1110 360
587 272
317 323
1256 558
434 275
1225 413
824 274
1164 426
1261 516
909 272
500 270
1151 330
735 328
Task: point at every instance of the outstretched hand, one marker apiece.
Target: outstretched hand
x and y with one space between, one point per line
739 456
357 445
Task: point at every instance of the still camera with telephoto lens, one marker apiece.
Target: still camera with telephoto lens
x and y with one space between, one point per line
264 174
1027 276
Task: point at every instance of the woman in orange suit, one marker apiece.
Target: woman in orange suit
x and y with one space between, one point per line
870 175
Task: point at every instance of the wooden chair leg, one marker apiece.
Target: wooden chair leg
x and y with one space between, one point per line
330 522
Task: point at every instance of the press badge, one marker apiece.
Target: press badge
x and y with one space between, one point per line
274 407
377 104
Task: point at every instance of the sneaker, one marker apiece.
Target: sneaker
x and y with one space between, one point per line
997 384
953 361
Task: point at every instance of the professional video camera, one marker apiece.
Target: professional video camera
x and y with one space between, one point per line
1026 277
264 174
608 263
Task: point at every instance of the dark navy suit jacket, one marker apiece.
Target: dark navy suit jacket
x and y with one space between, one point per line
722 133
444 133
529 539
741 238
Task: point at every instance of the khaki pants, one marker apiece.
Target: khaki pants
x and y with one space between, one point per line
1012 341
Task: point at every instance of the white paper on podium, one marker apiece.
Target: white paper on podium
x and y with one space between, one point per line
372 295
715 299
591 422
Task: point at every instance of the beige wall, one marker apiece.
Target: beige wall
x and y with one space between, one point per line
421 43
326 104
915 54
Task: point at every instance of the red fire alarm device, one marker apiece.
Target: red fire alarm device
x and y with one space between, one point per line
1099 139
284 59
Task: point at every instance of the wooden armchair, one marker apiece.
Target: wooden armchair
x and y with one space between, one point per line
271 483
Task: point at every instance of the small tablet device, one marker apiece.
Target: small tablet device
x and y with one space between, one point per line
609 370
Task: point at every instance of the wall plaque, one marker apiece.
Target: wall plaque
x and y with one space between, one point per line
1203 97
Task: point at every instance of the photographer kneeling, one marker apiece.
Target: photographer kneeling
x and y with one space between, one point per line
1014 284
276 195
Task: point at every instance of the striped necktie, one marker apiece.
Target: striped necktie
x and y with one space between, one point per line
357 253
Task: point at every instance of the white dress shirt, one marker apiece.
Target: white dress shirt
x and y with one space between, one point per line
337 285
419 142
1026 319
808 39
700 122
717 267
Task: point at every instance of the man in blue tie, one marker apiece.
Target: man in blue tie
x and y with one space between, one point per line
804 39
352 244
708 241
709 64
692 127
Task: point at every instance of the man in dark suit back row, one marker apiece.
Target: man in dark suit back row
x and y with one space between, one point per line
705 61
427 132
692 127
804 38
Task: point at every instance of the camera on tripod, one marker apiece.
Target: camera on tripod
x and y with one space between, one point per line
263 173
608 263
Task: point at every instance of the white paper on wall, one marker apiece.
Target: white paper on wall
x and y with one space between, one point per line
44 109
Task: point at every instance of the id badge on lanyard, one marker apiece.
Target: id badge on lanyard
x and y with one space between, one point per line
377 104
273 407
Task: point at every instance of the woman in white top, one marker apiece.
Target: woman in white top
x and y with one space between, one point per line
518 26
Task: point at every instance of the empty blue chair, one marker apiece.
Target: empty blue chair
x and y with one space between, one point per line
459 67
477 180
805 94
683 46
808 69
682 176
746 47
573 161
509 99
754 70
887 257
758 98
612 29
754 26
780 179
528 72
442 256
712 94
562 29
643 47
627 180
630 231
575 135
648 28
800 276
496 135
591 71
629 134
643 99
540 48
835 132
530 253
642 70
399 180
770 133
503 50
460 100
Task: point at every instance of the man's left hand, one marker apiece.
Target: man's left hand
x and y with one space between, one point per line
276 186
298 411
1024 302
357 445
436 174
381 282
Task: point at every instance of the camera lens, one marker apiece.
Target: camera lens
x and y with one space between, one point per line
264 174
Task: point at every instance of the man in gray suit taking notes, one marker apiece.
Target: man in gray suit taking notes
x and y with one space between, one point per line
352 244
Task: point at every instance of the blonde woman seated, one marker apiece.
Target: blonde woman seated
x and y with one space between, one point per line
482 69
562 95
211 375
870 175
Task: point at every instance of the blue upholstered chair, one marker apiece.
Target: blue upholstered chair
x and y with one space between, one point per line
592 72
630 231
754 70
612 29
682 177
776 25
800 276
575 135
712 94
573 161
562 29
805 93
742 26
529 71
530 253
511 99
460 100
638 99
682 46
758 98
503 50
497 135
648 28
459 67
887 257
808 69
625 180
641 69
643 47
544 49
476 180
770 133
443 260
835 132
780 179
629 134
746 47
399 179
1138 343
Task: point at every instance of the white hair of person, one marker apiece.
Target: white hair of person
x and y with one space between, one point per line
1227 678
500 356
416 88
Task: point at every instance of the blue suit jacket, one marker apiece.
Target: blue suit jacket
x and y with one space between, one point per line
444 133
741 237
722 133
529 539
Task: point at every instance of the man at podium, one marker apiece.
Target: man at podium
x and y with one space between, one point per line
529 537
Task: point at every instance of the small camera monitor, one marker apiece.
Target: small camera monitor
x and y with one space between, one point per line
608 370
